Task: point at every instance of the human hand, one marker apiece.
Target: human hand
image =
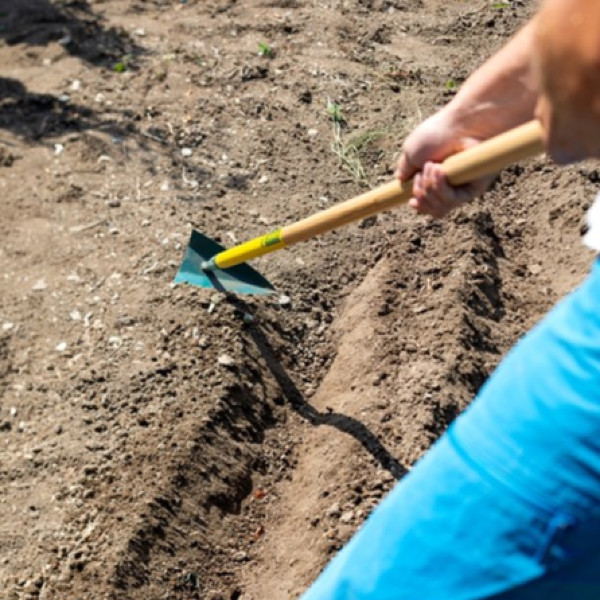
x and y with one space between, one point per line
430 143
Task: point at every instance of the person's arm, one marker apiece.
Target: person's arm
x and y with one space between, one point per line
567 65
498 96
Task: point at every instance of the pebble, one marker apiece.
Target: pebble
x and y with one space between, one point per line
284 300
240 556
76 85
186 152
312 132
7 326
334 510
115 342
39 285
61 346
347 517
264 179
13 411
75 315
140 32
248 319
226 361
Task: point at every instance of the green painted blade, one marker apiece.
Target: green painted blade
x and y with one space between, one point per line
241 279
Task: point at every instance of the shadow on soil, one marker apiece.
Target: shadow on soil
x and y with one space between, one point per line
341 422
72 23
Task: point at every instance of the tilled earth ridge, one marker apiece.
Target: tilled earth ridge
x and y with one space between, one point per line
164 442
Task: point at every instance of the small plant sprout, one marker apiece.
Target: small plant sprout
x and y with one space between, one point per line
500 5
119 67
334 110
265 50
451 85
349 151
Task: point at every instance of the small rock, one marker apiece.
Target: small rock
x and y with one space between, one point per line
264 179
7 326
284 300
75 315
535 269
203 342
13 411
115 342
347 517
334 510
248 319
113 203
240 556
186 152
61 346
30 587
5 426
58 149
40 285
312 132
76 85
140 32
58 430
226 361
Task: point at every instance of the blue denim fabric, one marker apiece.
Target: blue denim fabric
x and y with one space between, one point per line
506 505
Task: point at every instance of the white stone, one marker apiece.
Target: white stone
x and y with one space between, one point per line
284 300
39 285
226 361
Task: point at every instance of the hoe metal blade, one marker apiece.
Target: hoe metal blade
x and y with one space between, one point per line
241 279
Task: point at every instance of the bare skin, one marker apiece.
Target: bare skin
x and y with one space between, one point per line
524 79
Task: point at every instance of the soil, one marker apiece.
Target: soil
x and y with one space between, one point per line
160 441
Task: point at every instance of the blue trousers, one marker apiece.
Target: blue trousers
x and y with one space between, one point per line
506 505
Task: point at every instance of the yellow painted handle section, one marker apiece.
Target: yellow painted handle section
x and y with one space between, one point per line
249 250
486 158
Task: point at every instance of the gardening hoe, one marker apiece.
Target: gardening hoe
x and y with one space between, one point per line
209 265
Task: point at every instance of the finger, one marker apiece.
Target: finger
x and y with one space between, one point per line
406 168
430 205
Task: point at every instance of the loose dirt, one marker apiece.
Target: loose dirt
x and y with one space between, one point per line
155 441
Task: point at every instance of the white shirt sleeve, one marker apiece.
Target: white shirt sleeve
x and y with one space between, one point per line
592 238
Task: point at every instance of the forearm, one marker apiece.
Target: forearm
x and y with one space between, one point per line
502 93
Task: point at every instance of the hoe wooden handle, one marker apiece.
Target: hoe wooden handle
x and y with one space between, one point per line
486 158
